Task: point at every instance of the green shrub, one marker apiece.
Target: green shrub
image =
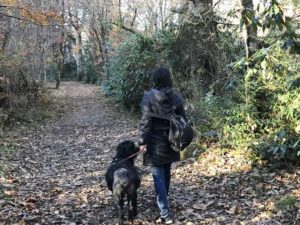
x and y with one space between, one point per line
129 70
267 114
193 70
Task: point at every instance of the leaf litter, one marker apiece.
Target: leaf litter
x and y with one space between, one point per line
56 175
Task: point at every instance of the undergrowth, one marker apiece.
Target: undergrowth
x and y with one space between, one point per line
245 104
42 108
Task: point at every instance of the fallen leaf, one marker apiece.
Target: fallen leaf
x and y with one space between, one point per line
189 211
197 206
9 193
232 210
189 223
22 222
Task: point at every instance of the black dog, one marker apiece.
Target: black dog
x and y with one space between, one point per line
123 179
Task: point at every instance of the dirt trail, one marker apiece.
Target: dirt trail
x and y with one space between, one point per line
58 173
62 163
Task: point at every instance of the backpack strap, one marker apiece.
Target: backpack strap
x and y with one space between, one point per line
159 116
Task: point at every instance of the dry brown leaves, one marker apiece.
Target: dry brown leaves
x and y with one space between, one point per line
55 175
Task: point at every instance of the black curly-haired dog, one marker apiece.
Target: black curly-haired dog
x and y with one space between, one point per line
123 179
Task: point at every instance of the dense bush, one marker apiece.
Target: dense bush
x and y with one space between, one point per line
190 50
267 114
129 70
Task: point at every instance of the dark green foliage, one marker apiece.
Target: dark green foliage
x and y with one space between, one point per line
273 18
69 71
129 70
265 114
91 68
80 76
190 52
51 72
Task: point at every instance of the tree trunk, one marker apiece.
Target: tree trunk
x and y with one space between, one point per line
120 13
251 32
76 24
60 59
61 49
5 37
79 55
43 73
60 64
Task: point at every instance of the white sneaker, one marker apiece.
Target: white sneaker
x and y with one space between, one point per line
165 220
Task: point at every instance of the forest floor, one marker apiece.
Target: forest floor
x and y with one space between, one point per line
54 174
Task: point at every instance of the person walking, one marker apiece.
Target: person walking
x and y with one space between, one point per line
162 99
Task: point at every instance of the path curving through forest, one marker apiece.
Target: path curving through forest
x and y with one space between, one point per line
57 175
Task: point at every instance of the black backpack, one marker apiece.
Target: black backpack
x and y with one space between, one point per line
180 134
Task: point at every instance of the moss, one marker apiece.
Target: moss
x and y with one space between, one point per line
286 202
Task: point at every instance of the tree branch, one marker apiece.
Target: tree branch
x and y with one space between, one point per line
224 23
135 13
124 27
19 18
29 21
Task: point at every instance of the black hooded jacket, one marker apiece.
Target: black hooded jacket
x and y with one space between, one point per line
154 131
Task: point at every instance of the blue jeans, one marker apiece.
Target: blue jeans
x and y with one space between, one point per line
161 177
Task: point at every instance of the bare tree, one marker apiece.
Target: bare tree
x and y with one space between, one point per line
76 16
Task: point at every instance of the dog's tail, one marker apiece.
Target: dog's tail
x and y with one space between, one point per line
121 180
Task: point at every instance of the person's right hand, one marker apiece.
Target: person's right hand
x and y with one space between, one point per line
143 148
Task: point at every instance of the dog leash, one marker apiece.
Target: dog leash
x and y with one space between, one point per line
123 160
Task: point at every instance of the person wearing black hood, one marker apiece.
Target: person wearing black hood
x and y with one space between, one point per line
162 99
